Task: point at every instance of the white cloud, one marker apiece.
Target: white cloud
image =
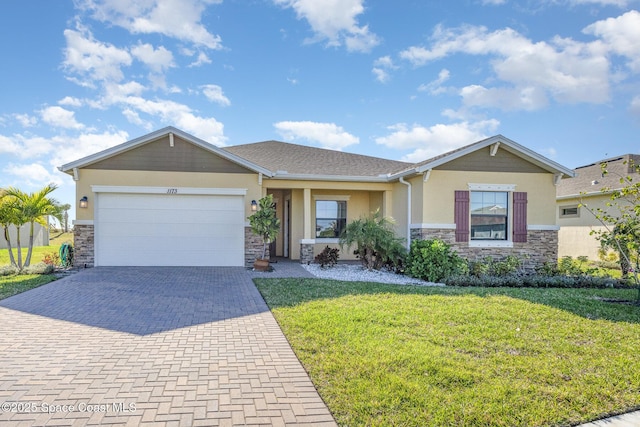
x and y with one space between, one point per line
201 60
634 106
569 71
93 59
493 2
33 175
25 120
619 3
327 135
214 93
505 98
70 101
381 68
178 19
9 145
335 21
435 86
60 117
157 59
621 36
180 115
427 142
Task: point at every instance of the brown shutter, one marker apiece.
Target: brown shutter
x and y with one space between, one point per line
519 217
461 216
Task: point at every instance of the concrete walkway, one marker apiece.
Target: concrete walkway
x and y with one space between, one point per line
151 346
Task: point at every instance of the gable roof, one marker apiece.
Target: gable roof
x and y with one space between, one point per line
589 180
153 136
292 161
498 142
283 160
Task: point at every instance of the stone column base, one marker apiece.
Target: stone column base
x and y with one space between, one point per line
306 253
83 237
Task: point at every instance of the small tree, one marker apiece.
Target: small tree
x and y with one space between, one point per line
31 208
264 222
374 239
621 221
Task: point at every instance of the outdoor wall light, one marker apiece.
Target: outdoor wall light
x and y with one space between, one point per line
254 206
84 202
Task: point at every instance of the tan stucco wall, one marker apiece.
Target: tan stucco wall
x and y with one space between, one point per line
89 177
438 194
360 203
574 238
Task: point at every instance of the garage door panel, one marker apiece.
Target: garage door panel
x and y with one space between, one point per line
152 229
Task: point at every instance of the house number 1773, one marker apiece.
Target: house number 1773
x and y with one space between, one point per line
172 191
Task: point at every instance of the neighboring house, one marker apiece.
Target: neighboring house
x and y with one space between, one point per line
40 236
169 198
593 190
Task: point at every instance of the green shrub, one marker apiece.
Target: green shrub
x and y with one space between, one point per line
328 257
511 264
536 281
8 270
40 268
433 260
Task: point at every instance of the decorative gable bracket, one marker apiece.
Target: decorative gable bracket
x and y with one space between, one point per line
494 149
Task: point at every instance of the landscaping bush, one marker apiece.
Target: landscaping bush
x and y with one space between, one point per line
536 281
40 268
328 257
511 264
433 261
8 270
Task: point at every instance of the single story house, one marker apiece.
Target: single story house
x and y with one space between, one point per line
578 198
169 198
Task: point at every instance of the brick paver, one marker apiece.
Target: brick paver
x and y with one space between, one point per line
150 346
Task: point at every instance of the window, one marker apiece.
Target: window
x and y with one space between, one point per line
489 215
331 218
569 211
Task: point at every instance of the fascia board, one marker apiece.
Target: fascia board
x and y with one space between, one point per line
341 178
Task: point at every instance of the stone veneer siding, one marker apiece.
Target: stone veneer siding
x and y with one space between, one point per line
83 255
541 246
306 253
252 247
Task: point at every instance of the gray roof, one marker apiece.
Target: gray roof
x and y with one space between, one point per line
589 178
296 159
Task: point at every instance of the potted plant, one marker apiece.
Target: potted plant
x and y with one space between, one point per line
265 224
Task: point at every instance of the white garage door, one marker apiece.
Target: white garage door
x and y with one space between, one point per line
169 230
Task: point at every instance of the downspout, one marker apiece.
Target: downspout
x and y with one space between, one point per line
408 184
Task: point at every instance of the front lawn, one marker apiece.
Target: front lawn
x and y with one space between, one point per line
406 355
15 284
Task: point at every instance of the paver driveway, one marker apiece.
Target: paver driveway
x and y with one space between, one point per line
155 346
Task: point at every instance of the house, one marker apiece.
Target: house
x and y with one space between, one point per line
169 198
578 198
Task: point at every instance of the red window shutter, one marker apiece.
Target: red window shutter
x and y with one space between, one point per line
461 216
519 217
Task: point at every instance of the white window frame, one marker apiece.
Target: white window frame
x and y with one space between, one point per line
329 198
509 189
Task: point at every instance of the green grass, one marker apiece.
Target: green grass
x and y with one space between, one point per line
15 284
39 252
403 355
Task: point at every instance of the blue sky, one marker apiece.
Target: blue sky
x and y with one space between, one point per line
405 80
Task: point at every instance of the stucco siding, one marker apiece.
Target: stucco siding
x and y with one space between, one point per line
159 155
482 161
439 190
89 177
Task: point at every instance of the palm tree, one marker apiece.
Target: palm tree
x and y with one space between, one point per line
7 218
32 208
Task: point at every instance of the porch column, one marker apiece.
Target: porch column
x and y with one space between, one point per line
306 244
307 214
387 204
